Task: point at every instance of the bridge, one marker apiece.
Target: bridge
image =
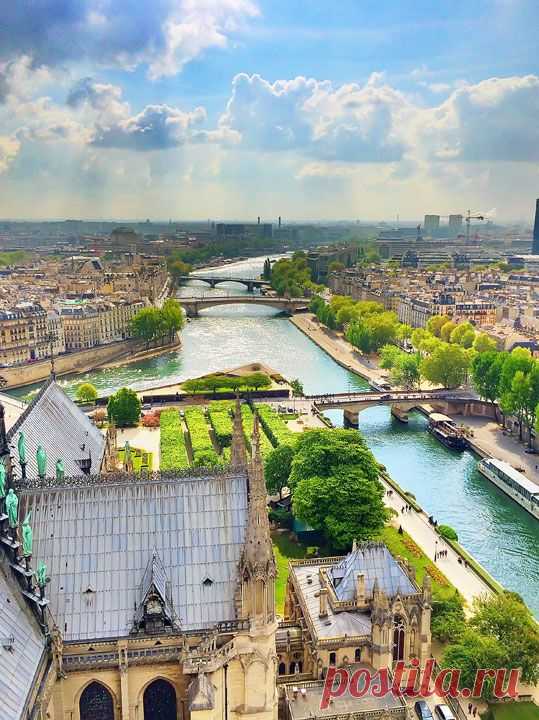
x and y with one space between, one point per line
193 305
455 402
213 280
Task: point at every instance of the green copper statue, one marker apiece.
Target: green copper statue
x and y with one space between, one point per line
21 446
41 575
60 470
41 457
27 537
127 456
12 508
2 481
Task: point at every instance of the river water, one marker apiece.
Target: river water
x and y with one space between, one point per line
496 531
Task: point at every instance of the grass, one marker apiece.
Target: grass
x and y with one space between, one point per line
513 711
137 457
406 547
285 549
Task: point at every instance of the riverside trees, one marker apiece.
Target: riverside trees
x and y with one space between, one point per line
151 323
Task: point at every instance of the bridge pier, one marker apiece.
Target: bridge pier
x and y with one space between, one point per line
351 419
213 283
250 287
400 412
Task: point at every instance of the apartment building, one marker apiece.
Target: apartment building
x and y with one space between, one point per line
24 334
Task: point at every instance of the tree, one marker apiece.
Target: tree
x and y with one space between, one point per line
459 332
404 332
124 407
389 354
257 380
266 272
86 393
447 366
172 316
518 359
277 466
336 266
522 399
406 371
486 374
471 652
343 506
507 619
484 343
148 324
446 330
178 269
297 387
435 324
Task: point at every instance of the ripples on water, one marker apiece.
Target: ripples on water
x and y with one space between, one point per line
503 537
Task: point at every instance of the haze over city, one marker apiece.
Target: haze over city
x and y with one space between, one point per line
233 108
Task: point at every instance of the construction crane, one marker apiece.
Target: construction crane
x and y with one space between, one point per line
469 217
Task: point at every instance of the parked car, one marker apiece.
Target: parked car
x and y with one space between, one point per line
422 710
443 712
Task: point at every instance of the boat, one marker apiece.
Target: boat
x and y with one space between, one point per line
513 483
446 431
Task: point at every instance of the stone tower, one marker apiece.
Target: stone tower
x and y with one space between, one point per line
257 564
238 453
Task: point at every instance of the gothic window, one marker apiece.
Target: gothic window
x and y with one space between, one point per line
282 668
96 703
413 637
398 638
332 658
160 701
357 655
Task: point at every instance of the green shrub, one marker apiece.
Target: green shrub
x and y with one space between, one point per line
274 426
282 517
201 444
248 424
124 407
219 414
172 442
447 532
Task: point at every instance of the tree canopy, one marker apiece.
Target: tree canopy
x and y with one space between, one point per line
277 467
86 392
124 407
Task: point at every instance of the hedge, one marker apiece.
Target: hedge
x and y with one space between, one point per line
274 426
248 424
219 414
172 441
201 444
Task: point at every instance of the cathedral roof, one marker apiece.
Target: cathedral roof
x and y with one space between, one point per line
21 650
98 535
376 563
55 422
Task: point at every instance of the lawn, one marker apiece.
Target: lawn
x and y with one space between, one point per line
137 457
405 546
284 549
513 711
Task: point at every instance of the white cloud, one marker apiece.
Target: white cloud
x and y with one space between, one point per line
9 147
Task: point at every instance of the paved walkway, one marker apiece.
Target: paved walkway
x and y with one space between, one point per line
143 438
417 525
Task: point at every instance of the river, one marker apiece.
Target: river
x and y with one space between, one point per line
496 531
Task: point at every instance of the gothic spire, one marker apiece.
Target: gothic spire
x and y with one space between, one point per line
238 453
4 446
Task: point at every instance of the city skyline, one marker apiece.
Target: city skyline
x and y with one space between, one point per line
234 108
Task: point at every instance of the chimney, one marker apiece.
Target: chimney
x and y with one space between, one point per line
323 603
360 591
259 219
279 222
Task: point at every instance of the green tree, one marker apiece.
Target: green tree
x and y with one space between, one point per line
459 332
522 398
297 387
507 619
389 355
447 366
336 266
518 359
484 343
277 467
467 339
343 506
124 407
86 393
486 374
266 272
178 269
172 317
257 380
471 652
446 330
406 371
448 619
148 325
404 332
435 324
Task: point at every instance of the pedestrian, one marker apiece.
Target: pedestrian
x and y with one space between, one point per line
470 708
474 712
400 530
402 509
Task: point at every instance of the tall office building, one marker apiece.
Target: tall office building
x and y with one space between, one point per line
455 223
431 224
535 244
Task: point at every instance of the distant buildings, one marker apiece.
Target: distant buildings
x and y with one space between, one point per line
321 259
431 224
455 223
535 244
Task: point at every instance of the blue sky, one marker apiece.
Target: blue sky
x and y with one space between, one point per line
234 108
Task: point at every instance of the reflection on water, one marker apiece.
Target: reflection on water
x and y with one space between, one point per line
502 536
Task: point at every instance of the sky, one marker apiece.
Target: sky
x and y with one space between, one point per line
230 109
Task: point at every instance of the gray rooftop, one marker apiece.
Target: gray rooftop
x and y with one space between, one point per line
54 421
18 666
98 540
13 408
375 562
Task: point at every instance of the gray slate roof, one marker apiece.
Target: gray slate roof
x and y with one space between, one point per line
375 562
19 666
54 421
97 541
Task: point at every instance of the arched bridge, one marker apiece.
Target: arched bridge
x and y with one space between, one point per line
193 305
457 402
213 280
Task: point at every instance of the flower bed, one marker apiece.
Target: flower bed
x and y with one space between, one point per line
172 442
